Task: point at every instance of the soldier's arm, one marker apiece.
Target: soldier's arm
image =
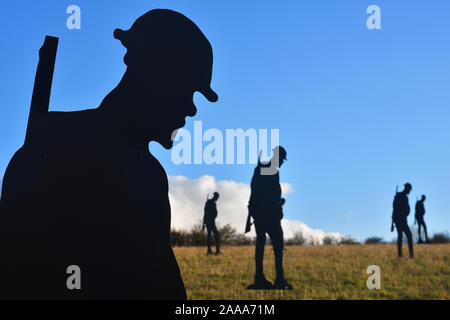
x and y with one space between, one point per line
278 190
204 213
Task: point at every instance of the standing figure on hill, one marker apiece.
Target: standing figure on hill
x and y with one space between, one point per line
420 212
209 220
265 207
400 214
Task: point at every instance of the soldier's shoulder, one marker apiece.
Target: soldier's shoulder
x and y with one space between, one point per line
399 195
65 130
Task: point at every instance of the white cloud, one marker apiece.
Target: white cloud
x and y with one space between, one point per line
188 196
286 188
312 236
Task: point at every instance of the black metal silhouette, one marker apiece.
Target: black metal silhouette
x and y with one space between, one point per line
209 220
400 213
265 209
85 190
419 213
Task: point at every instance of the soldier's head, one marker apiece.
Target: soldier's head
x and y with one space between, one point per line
280 153
168 59
215 196
407 188
423 198
282 201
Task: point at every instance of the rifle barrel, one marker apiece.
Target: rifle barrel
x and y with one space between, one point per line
42 83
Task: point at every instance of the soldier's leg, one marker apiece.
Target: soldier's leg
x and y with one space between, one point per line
420 239
410 241
216 238
277 240
259 250
399 240
425 230
208 239
276 236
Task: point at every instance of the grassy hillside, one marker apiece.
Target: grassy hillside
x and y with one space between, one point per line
319 272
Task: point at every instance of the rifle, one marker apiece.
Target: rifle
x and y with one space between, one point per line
248 225
203 226
42 85
392 224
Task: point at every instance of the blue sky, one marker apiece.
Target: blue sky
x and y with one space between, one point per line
359 111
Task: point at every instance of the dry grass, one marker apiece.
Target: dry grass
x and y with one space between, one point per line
319 272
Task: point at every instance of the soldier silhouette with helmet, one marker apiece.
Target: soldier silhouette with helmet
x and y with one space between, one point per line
400 214
265 207
84 188
419 213
209 220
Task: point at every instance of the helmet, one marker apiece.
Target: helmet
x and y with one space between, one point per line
281 152
170 42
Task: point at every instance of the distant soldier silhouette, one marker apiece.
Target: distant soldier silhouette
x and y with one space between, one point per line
265 207
419 213
209 220
400 213
85 190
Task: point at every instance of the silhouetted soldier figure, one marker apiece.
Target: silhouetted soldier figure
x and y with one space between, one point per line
399 218
209 220
419 213
85 190
265 208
